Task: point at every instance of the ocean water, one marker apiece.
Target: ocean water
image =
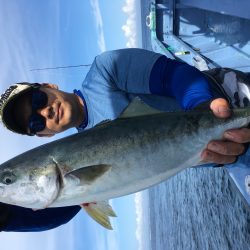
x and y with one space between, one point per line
200 208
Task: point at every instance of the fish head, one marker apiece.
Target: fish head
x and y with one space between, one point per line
29 183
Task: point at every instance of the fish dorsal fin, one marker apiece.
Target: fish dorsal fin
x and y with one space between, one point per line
90 173
100 211
138 108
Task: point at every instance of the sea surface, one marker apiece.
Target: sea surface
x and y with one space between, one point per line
197 209
200 208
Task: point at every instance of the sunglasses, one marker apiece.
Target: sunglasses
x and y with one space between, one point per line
37 122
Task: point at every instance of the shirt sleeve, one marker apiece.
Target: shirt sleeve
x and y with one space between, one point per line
26 220
126 69
181 81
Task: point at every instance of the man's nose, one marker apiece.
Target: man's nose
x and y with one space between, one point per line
46 112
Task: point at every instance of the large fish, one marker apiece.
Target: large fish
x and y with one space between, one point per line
111 160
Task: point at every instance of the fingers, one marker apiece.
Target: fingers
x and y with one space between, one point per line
226 148
225 151
238 135
208 156
220 108
222 152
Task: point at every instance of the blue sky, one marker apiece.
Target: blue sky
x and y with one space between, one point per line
37 34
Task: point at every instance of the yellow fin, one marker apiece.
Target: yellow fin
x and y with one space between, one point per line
138 108
100 212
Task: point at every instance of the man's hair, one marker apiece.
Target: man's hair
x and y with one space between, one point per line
8 102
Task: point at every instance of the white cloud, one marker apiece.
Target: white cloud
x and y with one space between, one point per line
99 24
104 239
112 240
142 220
132 27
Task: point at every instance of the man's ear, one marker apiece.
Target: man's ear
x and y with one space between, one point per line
44 135
50 85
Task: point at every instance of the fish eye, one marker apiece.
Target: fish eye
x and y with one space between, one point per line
8 178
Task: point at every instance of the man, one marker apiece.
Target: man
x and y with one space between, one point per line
115 78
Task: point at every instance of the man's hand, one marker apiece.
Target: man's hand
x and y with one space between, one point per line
226 150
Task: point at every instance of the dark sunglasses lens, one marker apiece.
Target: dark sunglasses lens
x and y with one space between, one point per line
37 123
39 99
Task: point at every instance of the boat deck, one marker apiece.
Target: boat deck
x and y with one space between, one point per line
218 31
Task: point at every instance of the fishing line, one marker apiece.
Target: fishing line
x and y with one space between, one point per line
61 67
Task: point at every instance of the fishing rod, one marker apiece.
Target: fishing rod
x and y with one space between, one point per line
61 67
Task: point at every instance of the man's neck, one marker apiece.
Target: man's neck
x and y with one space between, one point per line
82 111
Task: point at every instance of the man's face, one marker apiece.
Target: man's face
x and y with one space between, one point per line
61 112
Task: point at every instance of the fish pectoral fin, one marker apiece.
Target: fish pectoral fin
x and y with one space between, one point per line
90 173
100 212
138 108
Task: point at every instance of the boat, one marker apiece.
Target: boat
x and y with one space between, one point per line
205 34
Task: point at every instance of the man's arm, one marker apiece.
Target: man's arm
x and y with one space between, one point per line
130 70
127 70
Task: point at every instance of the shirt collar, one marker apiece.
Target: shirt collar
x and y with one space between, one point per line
84 123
